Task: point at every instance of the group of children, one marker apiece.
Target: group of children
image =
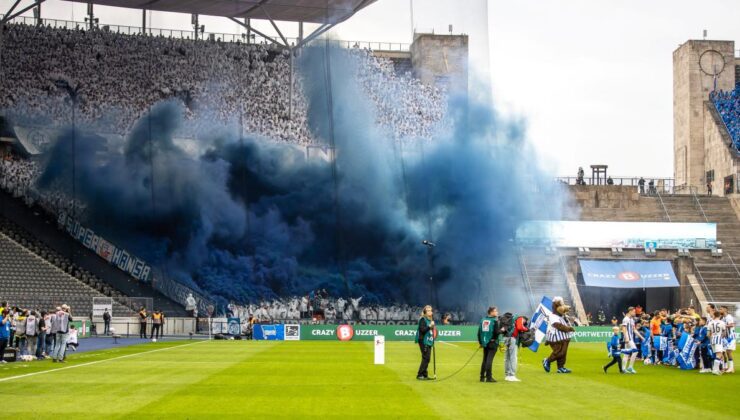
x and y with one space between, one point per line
711 340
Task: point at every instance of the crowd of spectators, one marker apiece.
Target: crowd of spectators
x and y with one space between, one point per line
17 177
405 106
320 306
37 334
728 106
118 76
115 78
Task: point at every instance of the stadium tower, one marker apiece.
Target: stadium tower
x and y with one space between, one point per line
702 147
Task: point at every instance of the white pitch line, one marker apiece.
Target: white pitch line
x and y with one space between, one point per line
456 345
25 375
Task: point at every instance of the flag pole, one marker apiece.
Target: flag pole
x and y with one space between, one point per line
434 353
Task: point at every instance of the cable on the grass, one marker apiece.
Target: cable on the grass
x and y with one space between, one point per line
461 368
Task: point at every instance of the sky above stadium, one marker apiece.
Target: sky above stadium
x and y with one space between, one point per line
592 80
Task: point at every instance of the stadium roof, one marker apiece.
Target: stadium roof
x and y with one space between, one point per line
309 11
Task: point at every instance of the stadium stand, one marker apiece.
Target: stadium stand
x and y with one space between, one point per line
35 230
122 75
31 281
715 273
544 274
728 106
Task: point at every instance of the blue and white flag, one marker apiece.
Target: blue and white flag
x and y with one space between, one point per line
730 338
539 322
669 355
660 343
686 349
646 347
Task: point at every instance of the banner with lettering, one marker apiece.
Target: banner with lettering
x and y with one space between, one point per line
118 257
463 333
347 332
628 274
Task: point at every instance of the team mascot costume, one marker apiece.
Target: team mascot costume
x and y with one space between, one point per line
559 333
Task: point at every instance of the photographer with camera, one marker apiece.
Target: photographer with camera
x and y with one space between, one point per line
513 329
60 328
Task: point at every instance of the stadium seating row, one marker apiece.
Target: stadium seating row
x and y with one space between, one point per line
35 276
728 106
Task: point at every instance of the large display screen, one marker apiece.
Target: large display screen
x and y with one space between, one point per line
573 234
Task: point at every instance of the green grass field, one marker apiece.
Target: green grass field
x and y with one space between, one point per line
201 379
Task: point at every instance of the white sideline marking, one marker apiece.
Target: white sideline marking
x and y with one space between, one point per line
453 344
10 378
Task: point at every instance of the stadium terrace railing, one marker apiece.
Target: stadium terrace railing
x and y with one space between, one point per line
685 190
662 185
665 209
704 286
525 277
130 327
208 36
733 264
696 199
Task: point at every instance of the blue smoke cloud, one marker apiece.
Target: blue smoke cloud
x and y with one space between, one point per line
249 219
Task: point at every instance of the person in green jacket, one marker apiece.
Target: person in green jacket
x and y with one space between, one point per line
488 333
425 338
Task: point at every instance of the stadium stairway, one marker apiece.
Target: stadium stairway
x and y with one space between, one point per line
544 274
720 276
39 231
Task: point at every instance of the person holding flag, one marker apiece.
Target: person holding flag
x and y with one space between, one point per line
647 342
701 337
425 339
559 333
488 333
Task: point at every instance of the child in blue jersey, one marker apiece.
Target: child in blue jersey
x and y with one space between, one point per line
614 351
646 342
667 330
701 336
638 340
680 328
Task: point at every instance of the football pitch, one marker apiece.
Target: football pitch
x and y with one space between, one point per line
248 379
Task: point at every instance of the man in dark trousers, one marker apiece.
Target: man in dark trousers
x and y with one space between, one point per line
106 322
488 333
425 338
156 324
142 322
161 324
